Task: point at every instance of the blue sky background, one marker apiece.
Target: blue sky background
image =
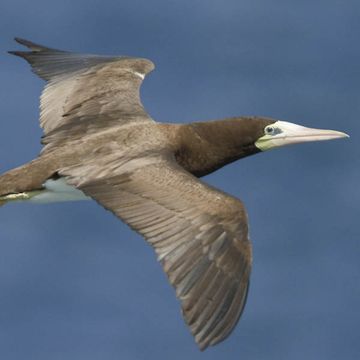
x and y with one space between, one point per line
76 283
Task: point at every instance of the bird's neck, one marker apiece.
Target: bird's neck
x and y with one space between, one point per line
204 147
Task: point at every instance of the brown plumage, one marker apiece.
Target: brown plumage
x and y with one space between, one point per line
99 138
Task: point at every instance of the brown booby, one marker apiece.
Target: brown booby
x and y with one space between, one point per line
100 143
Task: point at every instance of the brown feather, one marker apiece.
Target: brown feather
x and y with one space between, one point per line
192 227
100 138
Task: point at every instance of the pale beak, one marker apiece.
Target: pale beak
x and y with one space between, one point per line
288 133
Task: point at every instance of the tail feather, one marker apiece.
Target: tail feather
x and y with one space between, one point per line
15 183
18 196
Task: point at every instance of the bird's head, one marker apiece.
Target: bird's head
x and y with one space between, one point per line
281 133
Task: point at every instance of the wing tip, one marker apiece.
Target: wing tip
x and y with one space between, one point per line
22 41
30 45
35 50
17 53
33 47
202 346
214 339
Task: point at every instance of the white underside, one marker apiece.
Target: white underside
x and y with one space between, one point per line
58 190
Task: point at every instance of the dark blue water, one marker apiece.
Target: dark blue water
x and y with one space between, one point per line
75 283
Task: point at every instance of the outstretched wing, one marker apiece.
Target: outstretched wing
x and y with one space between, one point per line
199 233
85 89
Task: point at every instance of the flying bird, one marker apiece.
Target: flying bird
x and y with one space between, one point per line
100 143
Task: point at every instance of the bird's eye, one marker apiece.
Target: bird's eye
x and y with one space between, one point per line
269 130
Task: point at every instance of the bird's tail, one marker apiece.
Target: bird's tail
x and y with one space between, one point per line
25 181
27 195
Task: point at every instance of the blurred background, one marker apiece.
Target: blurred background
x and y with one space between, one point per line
76 283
